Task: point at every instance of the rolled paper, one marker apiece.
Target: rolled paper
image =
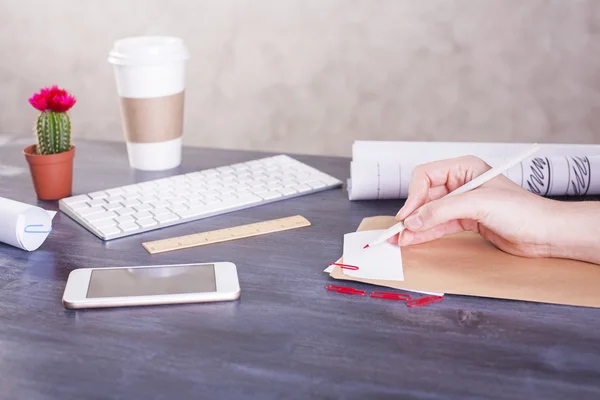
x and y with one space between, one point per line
23 225
383 170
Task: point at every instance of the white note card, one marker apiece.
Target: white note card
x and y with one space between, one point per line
381 262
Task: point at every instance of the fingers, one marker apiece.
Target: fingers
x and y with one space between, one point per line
446 174
418 191
473 205
438 192
411 238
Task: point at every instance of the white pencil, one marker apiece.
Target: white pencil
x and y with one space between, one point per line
480 180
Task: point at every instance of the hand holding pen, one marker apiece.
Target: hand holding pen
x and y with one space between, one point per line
466 194
514 219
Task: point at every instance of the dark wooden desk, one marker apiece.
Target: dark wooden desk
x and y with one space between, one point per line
287 337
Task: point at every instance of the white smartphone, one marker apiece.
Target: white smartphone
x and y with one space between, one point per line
151 285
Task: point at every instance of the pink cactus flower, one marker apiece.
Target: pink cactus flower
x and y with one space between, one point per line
53 99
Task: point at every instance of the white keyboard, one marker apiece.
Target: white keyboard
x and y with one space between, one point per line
142 207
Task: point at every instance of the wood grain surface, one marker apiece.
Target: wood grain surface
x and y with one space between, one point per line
286 337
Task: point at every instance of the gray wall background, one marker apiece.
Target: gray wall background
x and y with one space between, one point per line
312 76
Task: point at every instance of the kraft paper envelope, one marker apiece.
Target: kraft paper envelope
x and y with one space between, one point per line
466 264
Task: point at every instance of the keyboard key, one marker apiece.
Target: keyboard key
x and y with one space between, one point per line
165 196
182 192
79 206
164 190
147 199
129 226
109 230
91 210
226 190
241 186
243 192
198 186
129 203
244 178
124 218
142 215
178 207
289 183
255 184
99 202
274 187
142 207
195 203
113 206
131 196
160 211
159 204
99 216
272 183
70 201
224 197
114 199
164 218
146 222
194 197
260 189
98 195
126 211
178 200
212 200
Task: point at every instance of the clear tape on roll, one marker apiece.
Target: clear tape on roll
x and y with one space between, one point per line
24 226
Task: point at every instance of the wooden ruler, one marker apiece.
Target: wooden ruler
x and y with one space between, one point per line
223 235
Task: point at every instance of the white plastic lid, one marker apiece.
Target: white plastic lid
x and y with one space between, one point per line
148 50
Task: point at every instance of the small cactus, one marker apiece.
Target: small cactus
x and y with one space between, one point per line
53 132
53 126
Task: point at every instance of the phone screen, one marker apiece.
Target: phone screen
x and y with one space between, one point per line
154 281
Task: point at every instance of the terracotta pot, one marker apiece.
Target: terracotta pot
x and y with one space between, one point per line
52 174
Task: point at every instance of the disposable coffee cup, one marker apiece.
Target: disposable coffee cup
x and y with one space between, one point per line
150 78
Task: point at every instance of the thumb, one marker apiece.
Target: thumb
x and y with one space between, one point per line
472 205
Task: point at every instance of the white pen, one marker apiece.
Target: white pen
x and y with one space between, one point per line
480 180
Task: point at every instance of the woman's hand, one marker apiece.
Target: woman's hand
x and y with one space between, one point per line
514 219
